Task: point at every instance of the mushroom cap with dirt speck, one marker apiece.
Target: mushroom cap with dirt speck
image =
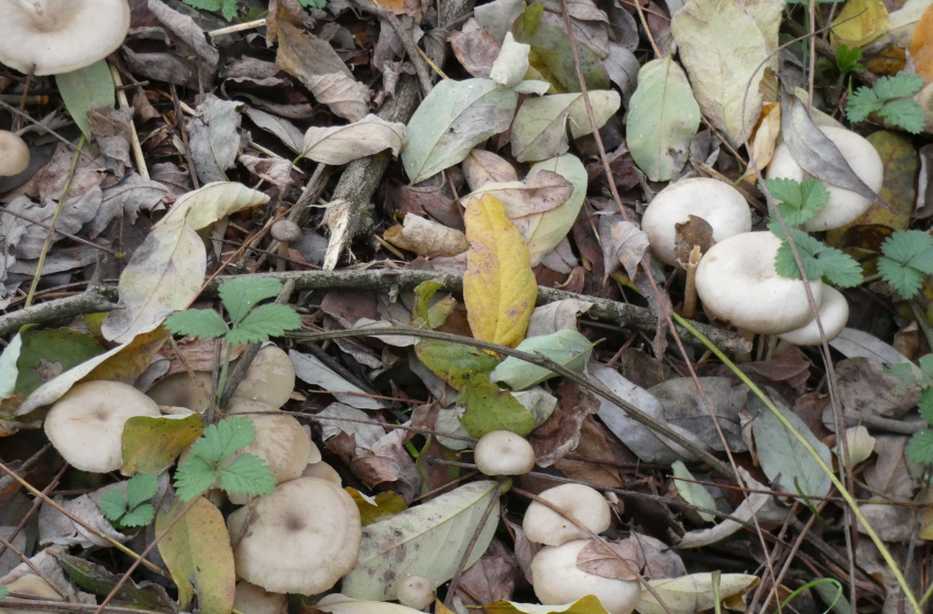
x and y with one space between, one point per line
34 586
844 206
737 283
586 505
503 453
301 538
51 37
190 390
251 599
86 424
834 314
415 592
286 231
269 379
14 154
557 580
718 203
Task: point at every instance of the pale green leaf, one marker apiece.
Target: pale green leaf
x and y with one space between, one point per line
224 439
151 444
692 593
202 323
265 321
693 493
247 475
541 124
112 503
139 488
85 89
566 347
194 477
240 294
139 516
455 363
490 409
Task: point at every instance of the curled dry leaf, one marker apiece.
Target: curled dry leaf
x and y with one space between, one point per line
541 124
341 144
482 167
426 238
607 560
623 243
694 232
512 62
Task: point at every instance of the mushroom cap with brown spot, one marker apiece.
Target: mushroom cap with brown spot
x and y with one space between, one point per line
586 505
286 231
270 378
503 453
415 592
14 154
190 390
51 37
251 599
737 282
301 538
834 314
86 424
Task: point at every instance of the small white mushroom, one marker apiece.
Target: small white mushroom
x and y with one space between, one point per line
14 154
834 313
245 406
415 592
301 538
737 282
718 203
51 37
251 599
586 505
86 425
843 206
270 378
504 453
31 585
285 232
558 580
192 391
323 471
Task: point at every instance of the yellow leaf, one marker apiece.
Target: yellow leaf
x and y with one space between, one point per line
499 288
585 605
151 445
921 45
765 139
131 361
440 608
859 23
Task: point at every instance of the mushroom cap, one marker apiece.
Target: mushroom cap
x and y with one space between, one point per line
51 37
737 282
504 453
33 586
86 425
14 153
335 603
245 406
558 580
192 391
843 206
251 599
269 379
286 231
301 538
542 525
323 471
722 206
834 314
415 592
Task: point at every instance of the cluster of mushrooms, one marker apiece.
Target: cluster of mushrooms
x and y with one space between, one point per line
736 278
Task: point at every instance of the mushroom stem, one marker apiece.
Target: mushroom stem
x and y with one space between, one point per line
690 286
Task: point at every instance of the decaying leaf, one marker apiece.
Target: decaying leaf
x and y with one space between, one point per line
341 144
541 124
151 445
692 593
426 238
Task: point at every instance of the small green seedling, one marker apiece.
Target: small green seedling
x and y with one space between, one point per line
891 98
230 8
848 59
249 323
907 257
214 462
128 506
798 201
920 448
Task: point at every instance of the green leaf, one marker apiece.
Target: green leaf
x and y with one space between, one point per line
229 10
819 260
861 104
926 405
566 347
848 58
4 592
799 200
265 321
140 488
202 323
454 363
113 503
224 439
907 258
247 475
892 99
313 4
926 365
194 477
46 353
139 517
426 314
86 89
490 409
920 447
241 294
900 85
905 113
204 5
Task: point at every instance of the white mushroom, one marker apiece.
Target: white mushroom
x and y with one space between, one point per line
834 313
51 37
335 603
193 391
737 282
542 525
301 538
323 471
504 453
843 206
14 154
245 406
250 599
31 585
558 580
269 379
86 425
415 592
718 203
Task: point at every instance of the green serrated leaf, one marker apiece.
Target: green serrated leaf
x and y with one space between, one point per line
112 504
905 280
265 321
839 268
139 488
926 366
904 113
138 517
241 294
900 85
194 477
819 260
224 439
201 323
204 5
907 258
799 200
848 58
861 104
926 405
920 447
247 475
229 10
313 4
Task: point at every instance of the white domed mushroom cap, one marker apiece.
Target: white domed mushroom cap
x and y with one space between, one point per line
504 453
542 525
14 154
834 313
251 599
737 282
51 37
270 378
86 425
301 538
415 592
843 206
722 206
335 603
190 390
323 471
245 406
558 580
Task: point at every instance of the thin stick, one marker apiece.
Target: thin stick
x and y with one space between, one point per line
135 145
240 27
455 581
37 124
